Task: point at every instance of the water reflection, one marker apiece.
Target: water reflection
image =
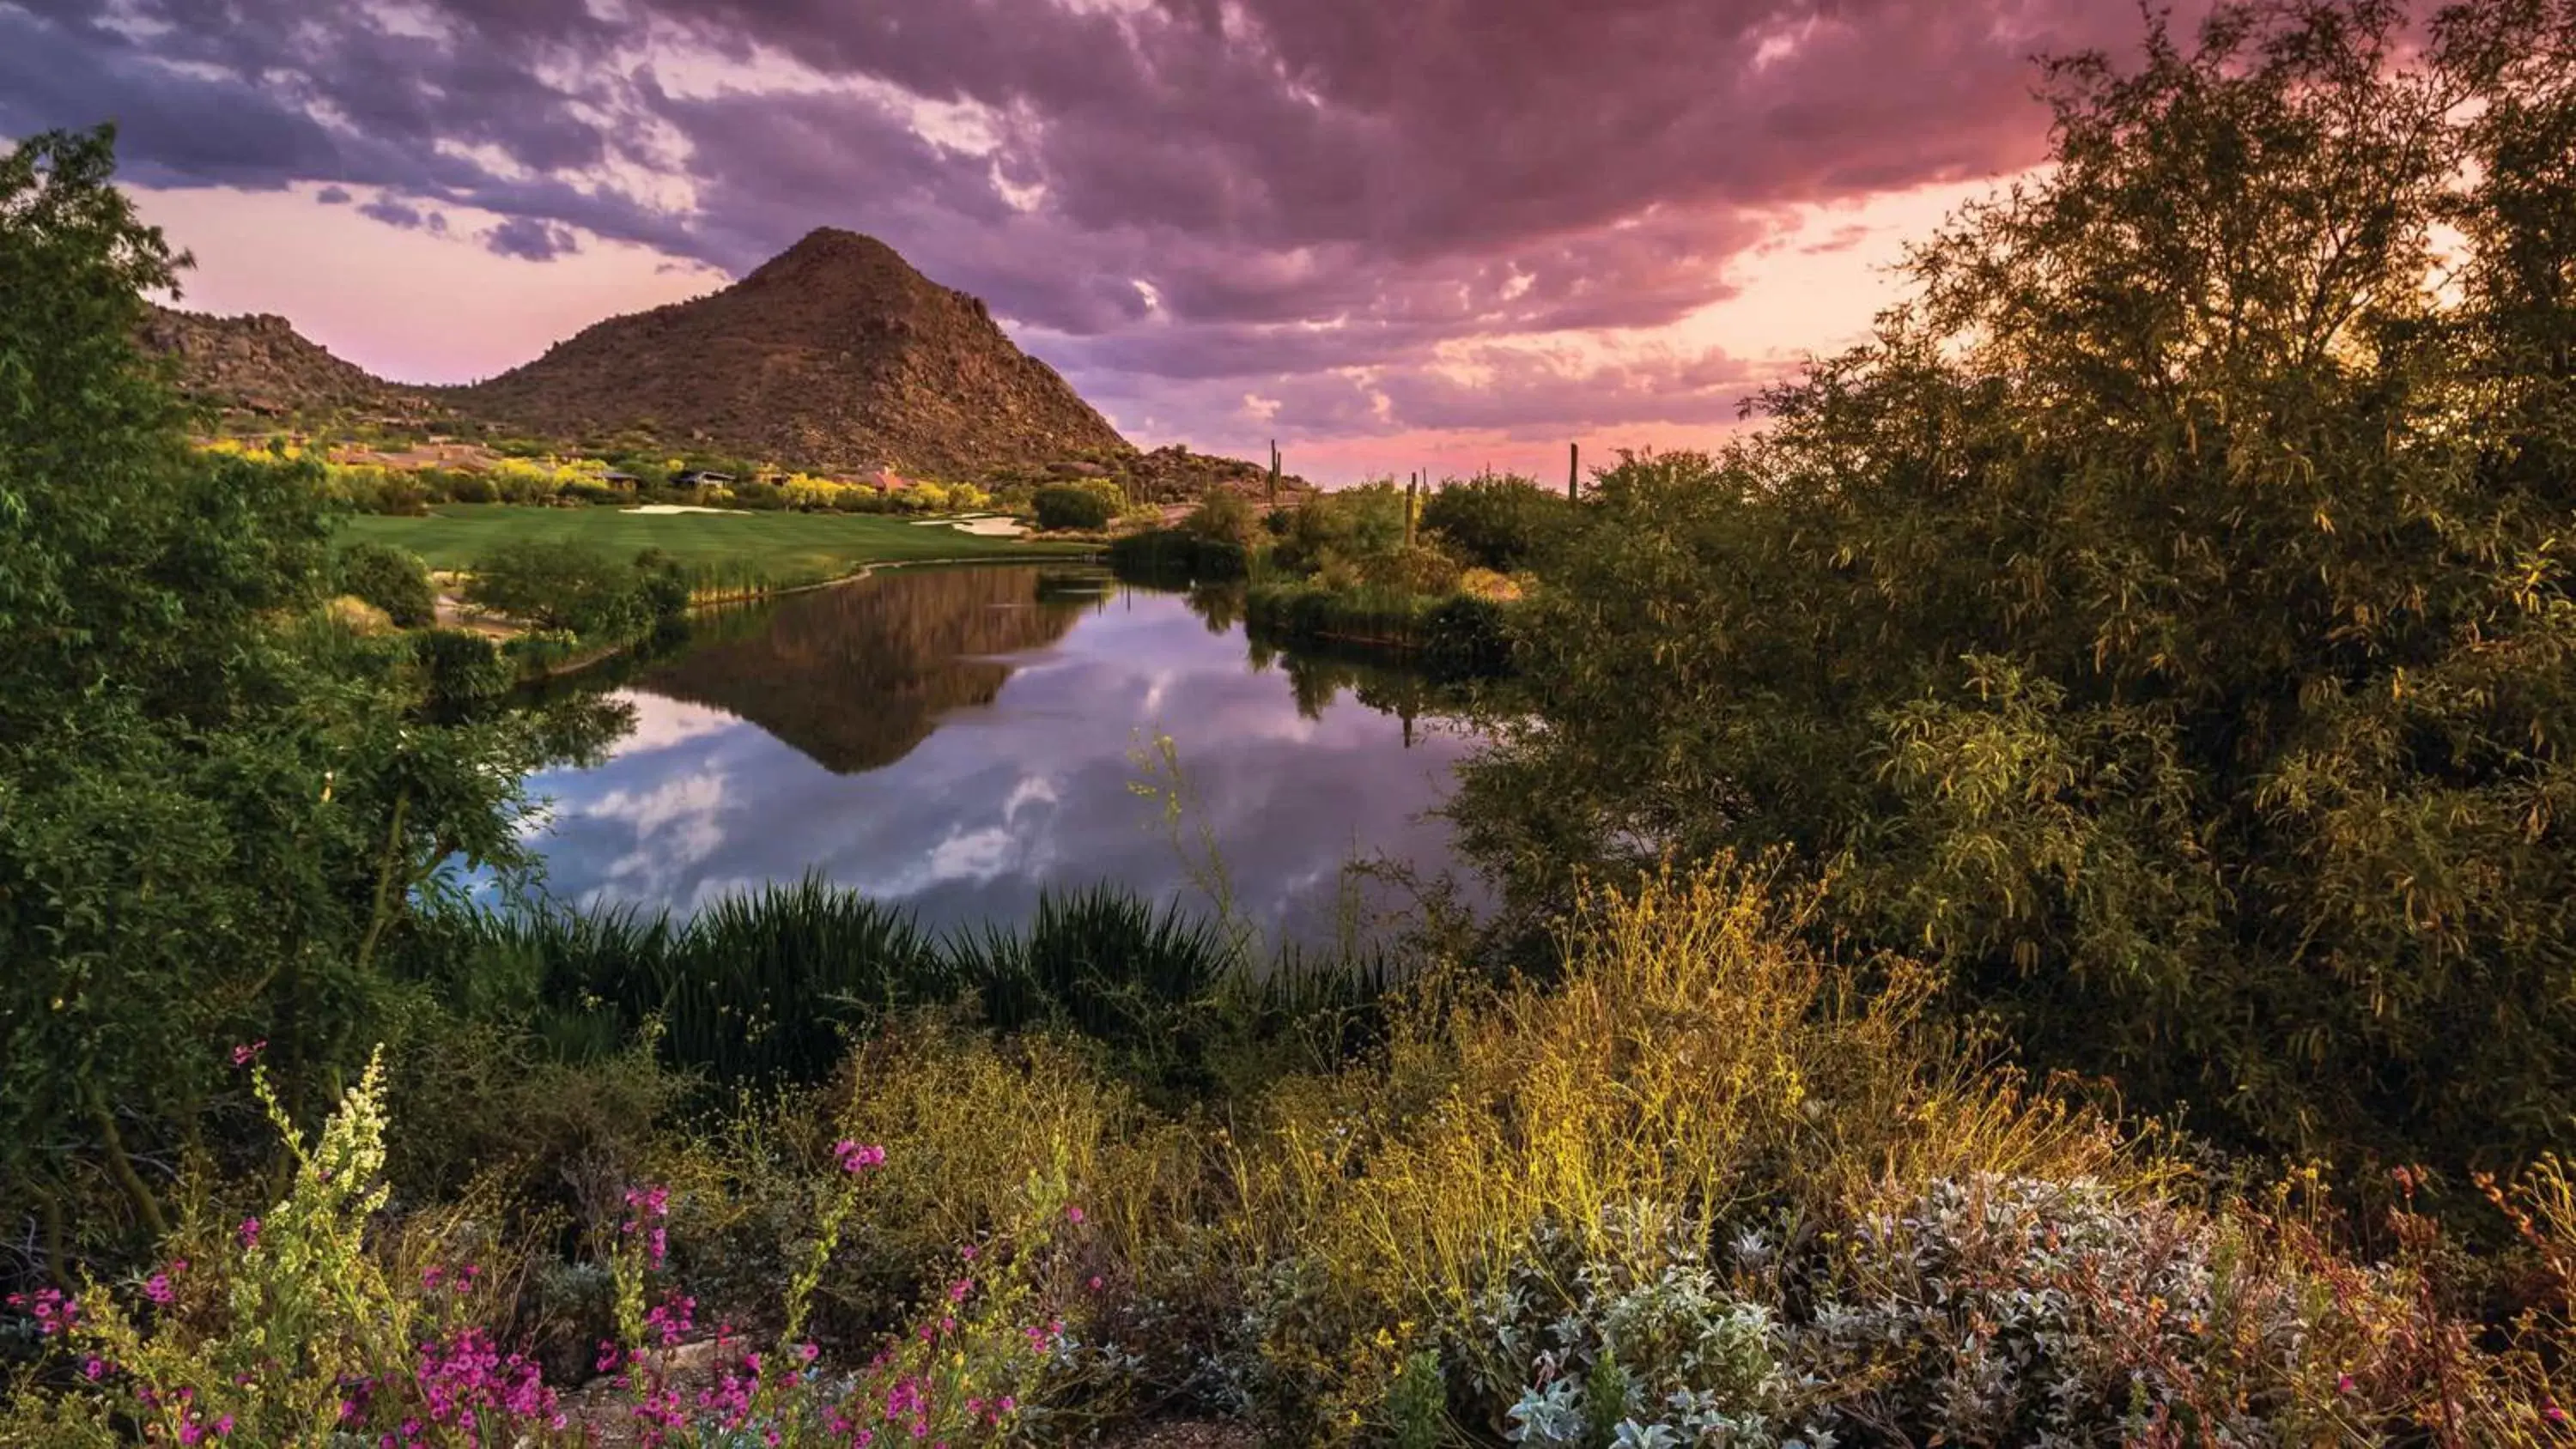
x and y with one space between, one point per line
960 738
855 677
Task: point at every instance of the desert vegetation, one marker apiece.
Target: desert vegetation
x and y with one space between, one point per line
1428 575
2034 903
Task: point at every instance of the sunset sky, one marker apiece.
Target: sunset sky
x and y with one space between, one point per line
1390 233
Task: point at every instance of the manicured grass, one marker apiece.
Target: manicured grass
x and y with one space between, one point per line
782 547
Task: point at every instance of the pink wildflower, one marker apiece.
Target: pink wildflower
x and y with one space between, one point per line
249 1232
157 1288
243 1054
1072 1213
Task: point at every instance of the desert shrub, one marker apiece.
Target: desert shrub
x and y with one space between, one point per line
759 497
357 616
2064 1312
370 489
459 485
1504 523
393 579
1074 506
1630 1329
1690 1051
1408 569
1224 517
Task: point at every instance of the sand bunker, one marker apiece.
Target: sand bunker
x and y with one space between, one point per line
658 509
982 525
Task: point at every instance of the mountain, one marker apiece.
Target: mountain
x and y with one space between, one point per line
261 364
835 354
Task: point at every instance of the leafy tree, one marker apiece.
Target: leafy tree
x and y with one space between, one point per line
219 817
563 585
2164 620
1502 522
393 579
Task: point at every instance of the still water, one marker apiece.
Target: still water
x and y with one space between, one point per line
959 739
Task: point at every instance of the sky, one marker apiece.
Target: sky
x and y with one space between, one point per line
1390 234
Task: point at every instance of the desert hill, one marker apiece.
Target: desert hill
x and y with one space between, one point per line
836 354
262 365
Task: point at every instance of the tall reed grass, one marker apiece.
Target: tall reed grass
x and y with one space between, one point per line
774 985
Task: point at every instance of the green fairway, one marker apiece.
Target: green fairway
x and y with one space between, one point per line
781 547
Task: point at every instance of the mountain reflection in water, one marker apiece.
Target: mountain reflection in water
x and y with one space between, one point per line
958 739
855 676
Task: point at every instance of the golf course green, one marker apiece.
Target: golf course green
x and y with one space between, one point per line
780 547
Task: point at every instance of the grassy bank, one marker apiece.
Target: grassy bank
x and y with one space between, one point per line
783 548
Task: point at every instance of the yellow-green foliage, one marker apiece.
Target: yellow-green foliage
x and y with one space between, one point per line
252 1331
1696 1056
964 1122
356 615
804 490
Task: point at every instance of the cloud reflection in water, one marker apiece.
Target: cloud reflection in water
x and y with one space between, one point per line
959 740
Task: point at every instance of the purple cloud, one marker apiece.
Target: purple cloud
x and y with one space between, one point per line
530 240
1171 202
405 216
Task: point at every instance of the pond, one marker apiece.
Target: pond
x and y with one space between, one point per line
959 739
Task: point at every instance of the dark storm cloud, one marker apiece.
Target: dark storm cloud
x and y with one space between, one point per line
530 240
333 196
1188 191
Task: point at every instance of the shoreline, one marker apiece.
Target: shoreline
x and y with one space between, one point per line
593 658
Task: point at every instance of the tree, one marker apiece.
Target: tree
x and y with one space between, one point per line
2164 621
564 585
216 812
